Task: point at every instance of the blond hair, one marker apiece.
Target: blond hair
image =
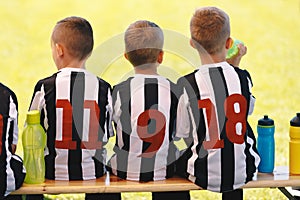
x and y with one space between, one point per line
143 42
210 28
76 34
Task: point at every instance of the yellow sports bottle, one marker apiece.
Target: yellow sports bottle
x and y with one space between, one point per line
295 144
34 142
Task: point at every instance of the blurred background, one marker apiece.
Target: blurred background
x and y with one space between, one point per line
269 29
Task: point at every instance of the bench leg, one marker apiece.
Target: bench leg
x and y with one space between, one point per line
13 197
103 196
34 197
287 194
182 195
233 195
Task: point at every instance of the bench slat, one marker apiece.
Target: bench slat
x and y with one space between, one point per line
280 178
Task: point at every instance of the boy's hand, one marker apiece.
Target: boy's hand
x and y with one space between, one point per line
235 60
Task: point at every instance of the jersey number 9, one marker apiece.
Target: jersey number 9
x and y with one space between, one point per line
151 125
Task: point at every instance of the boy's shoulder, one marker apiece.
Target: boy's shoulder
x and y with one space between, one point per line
103 82
4 87
48 78
243 73
6 91
123 84
187 78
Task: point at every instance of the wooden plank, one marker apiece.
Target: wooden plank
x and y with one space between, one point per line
99 186
280 178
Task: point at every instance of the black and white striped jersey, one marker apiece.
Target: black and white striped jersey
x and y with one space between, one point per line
76 113
213 108
144 110
12 171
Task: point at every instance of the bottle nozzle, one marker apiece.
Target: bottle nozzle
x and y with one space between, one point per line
266 121
296 120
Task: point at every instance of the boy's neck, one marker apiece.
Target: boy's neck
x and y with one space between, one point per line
210 59
147 69
72 64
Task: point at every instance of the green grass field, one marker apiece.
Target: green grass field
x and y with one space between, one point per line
270 30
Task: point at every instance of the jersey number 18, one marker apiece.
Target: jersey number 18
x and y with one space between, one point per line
234 114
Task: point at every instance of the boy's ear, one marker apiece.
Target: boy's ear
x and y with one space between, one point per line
126 56
59 49
229 43
192 43
160 57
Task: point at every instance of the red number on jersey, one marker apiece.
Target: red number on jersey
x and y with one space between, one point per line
234 117
155 138
1 132
67 142
214 142
92 142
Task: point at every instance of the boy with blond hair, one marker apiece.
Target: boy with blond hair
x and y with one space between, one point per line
213 108
144 110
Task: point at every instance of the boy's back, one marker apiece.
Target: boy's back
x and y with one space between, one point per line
213 108
72 103
223 153
144 109
75 106
12 172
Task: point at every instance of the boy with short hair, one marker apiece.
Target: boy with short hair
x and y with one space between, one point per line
12 171
212 110
144 110
75 107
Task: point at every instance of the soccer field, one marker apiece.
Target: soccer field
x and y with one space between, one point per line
270 30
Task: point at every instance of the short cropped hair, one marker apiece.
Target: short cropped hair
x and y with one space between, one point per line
143 42
76 34
210 28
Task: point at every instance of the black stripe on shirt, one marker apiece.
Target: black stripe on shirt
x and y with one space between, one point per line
250 160
102 103
172 113
151 102
4 111
227 153
50 98
200 166
124 92
77 102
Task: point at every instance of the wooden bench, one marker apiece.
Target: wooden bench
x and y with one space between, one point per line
279 179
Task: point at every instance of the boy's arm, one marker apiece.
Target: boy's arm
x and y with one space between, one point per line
116 110
13 114
235 61
37 99
38 103
110 113
245 75
183 125
252 98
